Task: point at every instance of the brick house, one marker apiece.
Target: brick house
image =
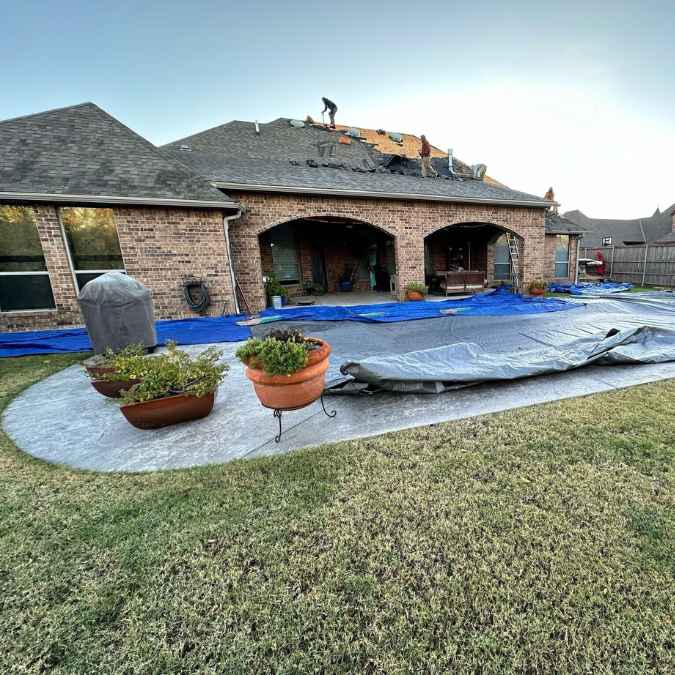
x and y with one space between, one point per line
80 194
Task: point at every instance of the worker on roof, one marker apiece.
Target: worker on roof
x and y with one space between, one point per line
425 157
331 108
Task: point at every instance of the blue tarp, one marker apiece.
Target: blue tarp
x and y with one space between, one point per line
197 331
590 288
500 302
206 330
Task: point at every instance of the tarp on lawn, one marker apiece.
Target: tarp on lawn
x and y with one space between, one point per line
588 288
196 331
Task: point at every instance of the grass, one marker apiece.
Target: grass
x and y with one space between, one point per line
538 540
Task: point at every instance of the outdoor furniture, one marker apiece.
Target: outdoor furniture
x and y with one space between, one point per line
462 281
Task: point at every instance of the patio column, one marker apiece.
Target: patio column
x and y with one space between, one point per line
409 257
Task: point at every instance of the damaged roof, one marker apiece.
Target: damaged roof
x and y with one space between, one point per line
83 154
632 231
286 156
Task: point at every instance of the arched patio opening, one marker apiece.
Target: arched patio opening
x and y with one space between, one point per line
337 260
468 257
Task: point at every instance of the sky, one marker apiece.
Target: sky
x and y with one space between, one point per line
575 95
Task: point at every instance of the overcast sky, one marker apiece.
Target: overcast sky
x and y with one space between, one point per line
578 95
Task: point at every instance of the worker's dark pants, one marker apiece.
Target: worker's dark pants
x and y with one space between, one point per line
331 114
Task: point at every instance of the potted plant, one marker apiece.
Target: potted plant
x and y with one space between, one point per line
175 388
537 287
276 293
112 371
288 370
415 291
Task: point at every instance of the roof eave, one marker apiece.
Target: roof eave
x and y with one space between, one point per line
227 185
111 199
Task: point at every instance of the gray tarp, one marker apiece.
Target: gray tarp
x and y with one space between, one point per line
432 355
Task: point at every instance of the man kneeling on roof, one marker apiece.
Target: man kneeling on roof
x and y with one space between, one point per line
425 157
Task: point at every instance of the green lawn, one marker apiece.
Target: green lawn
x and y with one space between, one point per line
538 540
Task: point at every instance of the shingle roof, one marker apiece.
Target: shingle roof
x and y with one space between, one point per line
556 224
313 159
637 230
81 153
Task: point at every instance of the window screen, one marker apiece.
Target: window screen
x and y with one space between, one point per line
24 280
284 254
502 260
92 242
562 255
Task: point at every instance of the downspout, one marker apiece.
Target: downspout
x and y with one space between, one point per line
226 230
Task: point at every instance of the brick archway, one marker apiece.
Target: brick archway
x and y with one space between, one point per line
408 221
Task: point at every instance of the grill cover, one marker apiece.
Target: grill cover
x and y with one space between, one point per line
118 312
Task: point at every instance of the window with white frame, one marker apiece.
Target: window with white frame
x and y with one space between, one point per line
24 279
562 255
93 244
606 241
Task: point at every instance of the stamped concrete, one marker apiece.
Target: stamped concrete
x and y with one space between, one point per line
62 420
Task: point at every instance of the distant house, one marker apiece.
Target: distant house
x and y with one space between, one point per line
81 194
659 227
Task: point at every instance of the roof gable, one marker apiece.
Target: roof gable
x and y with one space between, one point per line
83 152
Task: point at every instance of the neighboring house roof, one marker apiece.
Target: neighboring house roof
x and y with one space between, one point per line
556 224
313 159
633 231
82 154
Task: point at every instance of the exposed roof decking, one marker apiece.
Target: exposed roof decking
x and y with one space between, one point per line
81 153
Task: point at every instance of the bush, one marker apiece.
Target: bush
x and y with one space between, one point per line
416 287
172 373
280 353
537 284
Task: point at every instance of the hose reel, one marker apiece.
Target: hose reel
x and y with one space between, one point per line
196 294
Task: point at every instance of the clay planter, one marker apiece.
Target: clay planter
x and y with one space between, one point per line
414 295
113 388
96 372
537 291
170 410
291 392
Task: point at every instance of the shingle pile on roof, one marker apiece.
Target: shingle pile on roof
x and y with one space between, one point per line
634 231
83 152
279 156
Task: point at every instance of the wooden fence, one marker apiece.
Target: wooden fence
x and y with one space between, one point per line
649 265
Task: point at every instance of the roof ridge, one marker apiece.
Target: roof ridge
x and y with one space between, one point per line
51 110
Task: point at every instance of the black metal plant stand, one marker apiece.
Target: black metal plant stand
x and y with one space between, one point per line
278 411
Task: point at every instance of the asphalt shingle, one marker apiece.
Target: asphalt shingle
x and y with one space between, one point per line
83 151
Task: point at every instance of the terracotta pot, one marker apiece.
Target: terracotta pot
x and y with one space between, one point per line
414 295
537 291
113 388
170 410
290 392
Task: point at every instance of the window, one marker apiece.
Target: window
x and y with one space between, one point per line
562 255
24 280
93 244
502 260
606 241
284 254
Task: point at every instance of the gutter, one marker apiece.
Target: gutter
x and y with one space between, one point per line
380 195
226 230
110 199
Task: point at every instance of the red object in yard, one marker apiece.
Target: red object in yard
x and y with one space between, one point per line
601 268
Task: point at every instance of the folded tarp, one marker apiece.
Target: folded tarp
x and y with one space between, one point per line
590 288
202 330
500 302
445 367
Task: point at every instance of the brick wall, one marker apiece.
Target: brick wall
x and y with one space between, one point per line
160 247
549 258
408 221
